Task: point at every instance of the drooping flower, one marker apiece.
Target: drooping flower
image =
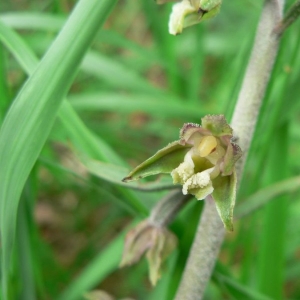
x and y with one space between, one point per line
189 12
202 161
153 241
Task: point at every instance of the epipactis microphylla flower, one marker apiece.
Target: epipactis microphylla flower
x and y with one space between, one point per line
155 242
202 161
189 12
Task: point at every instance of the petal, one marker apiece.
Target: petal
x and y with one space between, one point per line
179 12
163 161
137 241
165 243
191 132
217 125
233 153
224 195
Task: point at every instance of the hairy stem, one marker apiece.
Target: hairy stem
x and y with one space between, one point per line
167 208
210 233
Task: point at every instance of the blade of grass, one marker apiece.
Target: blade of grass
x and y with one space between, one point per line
51 22
271 254
238 290
95 148
158 20
158 105
3 85
33 20
101 66
263 196
274 105
115 73
83 139
107 261
30 118
197 65
26 259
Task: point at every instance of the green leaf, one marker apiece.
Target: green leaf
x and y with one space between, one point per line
236 289
97 270
115 174
224 195
163 161
32 114
81 137
260 198
128 103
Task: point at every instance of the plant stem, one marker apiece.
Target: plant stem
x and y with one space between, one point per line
167 208
203 254
210 233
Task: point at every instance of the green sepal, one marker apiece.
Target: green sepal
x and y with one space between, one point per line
163 161
211 13
217 125
224 195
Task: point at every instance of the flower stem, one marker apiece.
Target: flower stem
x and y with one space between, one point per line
167 208
203 254
210 233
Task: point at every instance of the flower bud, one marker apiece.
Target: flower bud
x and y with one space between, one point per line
155 242
189 12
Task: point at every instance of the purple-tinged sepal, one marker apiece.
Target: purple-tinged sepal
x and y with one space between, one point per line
155 242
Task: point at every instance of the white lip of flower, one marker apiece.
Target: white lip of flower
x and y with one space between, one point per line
185 175
185 172
199 180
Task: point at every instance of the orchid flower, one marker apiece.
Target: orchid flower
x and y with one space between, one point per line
202 161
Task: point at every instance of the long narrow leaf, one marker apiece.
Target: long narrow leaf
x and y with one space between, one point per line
156 105
82 138
263 196
107 261
30 118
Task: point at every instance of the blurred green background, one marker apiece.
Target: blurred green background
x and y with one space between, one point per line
135 88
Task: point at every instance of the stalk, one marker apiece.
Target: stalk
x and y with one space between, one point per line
210 233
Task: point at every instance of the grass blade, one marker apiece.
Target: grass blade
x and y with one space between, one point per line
30 118
102 265
263 196
82 138
157 106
